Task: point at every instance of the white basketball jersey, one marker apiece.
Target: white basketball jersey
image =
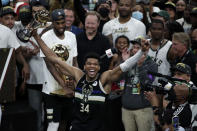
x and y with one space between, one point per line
160 57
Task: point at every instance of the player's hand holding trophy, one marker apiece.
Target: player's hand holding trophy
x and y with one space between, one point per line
40 20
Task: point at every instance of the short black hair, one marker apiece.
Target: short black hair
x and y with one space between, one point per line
92 55
157 21
122 36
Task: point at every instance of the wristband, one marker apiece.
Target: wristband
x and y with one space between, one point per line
129 63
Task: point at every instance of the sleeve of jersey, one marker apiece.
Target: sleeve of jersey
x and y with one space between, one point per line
129 63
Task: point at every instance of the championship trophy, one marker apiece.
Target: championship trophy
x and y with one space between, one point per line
62 52
40 20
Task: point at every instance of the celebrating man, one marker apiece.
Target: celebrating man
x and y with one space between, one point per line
91 88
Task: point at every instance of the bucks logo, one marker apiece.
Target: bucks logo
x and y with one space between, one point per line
86 91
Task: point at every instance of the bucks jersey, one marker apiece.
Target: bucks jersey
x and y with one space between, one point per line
89 106
160 57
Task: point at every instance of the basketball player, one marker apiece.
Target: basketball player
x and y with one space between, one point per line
159 47
64 44
92 88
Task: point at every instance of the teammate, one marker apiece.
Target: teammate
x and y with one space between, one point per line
63 43
159 47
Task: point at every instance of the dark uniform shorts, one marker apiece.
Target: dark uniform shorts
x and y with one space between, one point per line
58 108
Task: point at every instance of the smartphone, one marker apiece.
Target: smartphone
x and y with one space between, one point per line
175 122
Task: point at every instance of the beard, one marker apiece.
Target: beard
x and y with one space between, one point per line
124 14
158 37
58 32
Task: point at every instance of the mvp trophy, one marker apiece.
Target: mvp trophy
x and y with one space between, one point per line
62 52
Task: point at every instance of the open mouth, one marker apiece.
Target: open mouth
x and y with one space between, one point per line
92 72
68 22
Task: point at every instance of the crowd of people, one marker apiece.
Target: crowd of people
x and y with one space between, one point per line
105 65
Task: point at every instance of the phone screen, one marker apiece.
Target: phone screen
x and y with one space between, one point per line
175 122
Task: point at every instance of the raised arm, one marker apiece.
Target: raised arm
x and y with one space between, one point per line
125 66
113 75
53 58
21 60
54 72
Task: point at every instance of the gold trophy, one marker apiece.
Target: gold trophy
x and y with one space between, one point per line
62 52
40 20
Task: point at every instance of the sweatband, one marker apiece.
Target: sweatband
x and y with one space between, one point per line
129 63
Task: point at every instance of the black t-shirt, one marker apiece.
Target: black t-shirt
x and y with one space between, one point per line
185 115
99 44
191 60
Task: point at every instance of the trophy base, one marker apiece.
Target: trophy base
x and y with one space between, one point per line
23 35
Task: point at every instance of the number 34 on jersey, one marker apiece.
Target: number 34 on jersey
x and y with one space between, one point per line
84 108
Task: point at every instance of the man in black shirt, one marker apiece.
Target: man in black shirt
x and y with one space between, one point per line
92 41
181 48
178 107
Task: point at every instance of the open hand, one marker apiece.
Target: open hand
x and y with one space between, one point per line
125 54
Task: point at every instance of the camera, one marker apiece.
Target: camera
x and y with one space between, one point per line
165 85
162 88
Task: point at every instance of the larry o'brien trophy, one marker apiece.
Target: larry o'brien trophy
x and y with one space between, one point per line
40 20
62 52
